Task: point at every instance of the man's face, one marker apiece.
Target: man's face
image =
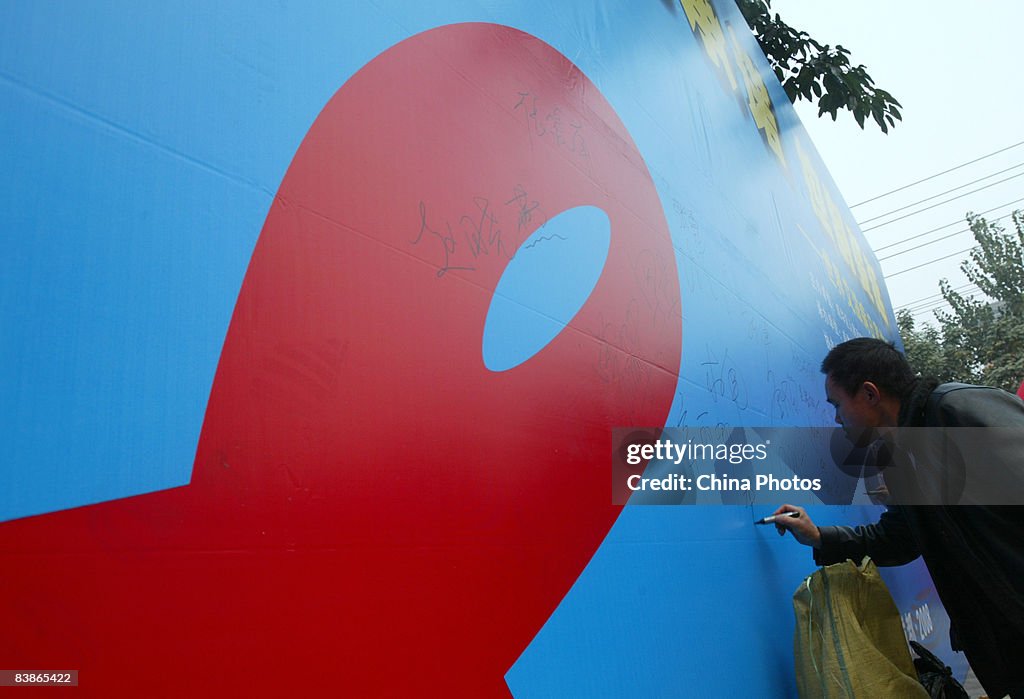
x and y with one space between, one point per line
856 413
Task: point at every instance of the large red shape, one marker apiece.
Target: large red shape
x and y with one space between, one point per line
372 511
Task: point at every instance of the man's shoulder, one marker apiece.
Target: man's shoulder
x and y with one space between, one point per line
958 390
967 404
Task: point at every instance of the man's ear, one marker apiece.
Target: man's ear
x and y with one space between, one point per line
871 392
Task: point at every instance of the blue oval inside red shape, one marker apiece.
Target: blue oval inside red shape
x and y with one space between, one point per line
545 285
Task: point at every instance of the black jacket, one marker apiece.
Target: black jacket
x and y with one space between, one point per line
974 553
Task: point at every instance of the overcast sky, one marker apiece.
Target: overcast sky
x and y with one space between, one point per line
956 69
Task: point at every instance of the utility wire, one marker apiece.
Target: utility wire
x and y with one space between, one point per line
937 240
931 177
917 302
919 235
942 194
925 264
917 314
965 290
960 196
933 308
930 242
939 303
953 223
922 311
925 300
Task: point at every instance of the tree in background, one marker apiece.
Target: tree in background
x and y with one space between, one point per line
811 71
927 353
978 340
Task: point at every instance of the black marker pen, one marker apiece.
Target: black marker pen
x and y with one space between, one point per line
771 518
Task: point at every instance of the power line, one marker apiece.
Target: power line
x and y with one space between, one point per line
932 308
922 311
925 264
931 177
917 314
940 194
961 196
968 288
919 235
933 296
953 223
939 303
930 242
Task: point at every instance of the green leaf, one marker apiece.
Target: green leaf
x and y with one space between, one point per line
810 70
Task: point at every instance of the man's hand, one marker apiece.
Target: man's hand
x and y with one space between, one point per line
804 530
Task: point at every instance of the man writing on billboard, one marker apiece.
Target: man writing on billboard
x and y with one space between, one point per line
974 553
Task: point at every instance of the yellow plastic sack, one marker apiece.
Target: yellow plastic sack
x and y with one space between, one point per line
849 641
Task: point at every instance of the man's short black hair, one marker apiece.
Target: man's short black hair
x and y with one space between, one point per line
853 362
